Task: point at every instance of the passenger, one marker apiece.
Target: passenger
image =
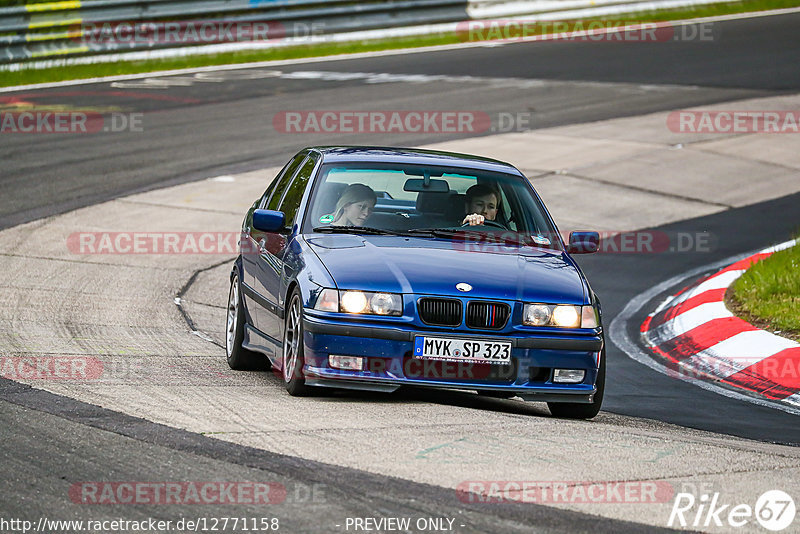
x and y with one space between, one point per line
354 206
482 203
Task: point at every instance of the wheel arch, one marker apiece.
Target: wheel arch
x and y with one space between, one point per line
237 268
289 290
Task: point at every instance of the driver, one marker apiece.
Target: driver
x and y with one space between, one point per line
482 203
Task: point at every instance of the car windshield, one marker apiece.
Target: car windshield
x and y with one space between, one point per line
427 201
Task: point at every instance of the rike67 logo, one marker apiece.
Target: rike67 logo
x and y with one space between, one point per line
774 510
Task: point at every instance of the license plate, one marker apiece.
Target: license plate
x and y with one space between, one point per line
462 350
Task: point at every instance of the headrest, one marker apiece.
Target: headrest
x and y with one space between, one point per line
455 206
327 197
433 202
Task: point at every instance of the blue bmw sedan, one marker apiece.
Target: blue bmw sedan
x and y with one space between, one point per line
372 268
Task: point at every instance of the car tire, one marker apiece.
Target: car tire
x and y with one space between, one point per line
574 410
293 347
239 358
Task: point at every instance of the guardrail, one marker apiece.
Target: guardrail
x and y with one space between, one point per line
113 30
75 27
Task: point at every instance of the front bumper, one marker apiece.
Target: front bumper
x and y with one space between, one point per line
389 363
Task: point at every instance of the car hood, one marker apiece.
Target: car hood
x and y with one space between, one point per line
434 267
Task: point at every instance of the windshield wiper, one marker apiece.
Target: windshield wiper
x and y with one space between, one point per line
355 230
468 233
442 232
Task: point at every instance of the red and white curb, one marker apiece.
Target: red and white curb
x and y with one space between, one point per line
700 338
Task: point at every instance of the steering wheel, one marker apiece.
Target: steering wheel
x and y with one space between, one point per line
487 222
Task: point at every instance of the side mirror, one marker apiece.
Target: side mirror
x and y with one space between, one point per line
268 220
583 242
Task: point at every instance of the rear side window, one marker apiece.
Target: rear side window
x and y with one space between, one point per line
294 194
283 180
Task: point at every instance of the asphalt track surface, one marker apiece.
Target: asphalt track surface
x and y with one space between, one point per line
44 454
217 128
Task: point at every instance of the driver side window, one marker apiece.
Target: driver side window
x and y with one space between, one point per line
275 191
294 193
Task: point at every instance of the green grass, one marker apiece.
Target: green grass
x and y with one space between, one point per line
75 72
30 76
768 293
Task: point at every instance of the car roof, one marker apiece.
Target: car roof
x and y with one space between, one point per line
333 154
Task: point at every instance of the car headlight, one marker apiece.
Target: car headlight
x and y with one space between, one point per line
561 315
537 314
361 302
567 316
385 303
354 302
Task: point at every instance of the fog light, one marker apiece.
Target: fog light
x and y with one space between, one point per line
568 376
346 363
